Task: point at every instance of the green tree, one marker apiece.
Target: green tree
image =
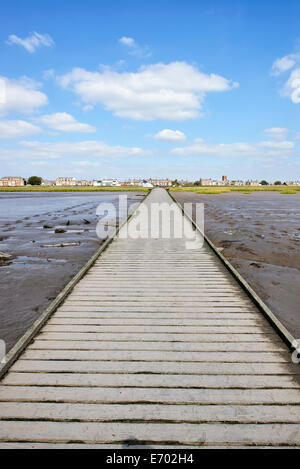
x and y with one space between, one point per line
264 183
277 183
34 181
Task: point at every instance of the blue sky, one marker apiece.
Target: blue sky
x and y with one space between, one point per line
180 89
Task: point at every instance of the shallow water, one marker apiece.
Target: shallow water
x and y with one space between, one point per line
19 205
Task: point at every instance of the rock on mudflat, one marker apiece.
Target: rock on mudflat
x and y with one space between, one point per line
61 245
4 256
60 230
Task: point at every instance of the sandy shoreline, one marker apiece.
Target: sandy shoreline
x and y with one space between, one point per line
36 274
260 236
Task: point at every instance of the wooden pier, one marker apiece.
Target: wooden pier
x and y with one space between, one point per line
156 346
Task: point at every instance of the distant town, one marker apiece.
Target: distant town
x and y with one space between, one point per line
16 181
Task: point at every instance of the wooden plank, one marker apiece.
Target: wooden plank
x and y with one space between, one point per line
153 413
152 356
189 306
183 433
143 395
156 321
120 315
163 329
212 338
123 367
202 309
155 297
159 380
66 343
127 445
154 292
181 290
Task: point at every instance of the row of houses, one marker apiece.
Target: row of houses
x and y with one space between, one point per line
293 183
71 181
226 182
13 181
147 182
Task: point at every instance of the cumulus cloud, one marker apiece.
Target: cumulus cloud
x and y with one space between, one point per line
238 149
134 48
170 135
20 95
174 91
71 150
65 122
32 42
17 129
292 87
277 133
127 41
284 64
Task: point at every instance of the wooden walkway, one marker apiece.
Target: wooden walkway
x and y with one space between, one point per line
156 346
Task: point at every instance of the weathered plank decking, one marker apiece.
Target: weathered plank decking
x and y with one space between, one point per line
157 345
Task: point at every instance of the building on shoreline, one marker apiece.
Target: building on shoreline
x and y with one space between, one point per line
292 183
132 183
84 183
227 182
160 182
47 182
252 183
12 181
211 182
237 182
65 181
147 182
106 183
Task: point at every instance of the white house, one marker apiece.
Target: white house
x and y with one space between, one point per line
109 183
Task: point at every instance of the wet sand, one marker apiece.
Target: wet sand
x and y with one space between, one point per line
36 274
260 236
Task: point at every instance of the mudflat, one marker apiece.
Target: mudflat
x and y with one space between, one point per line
38 270
259 233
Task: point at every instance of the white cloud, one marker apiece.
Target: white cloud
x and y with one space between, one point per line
31 43
20 95
282 145
71 150
239 149
87 164
127 41
65 122
277 133
134 48
284 64
170 135
17 129
174 91
2 91
292 86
